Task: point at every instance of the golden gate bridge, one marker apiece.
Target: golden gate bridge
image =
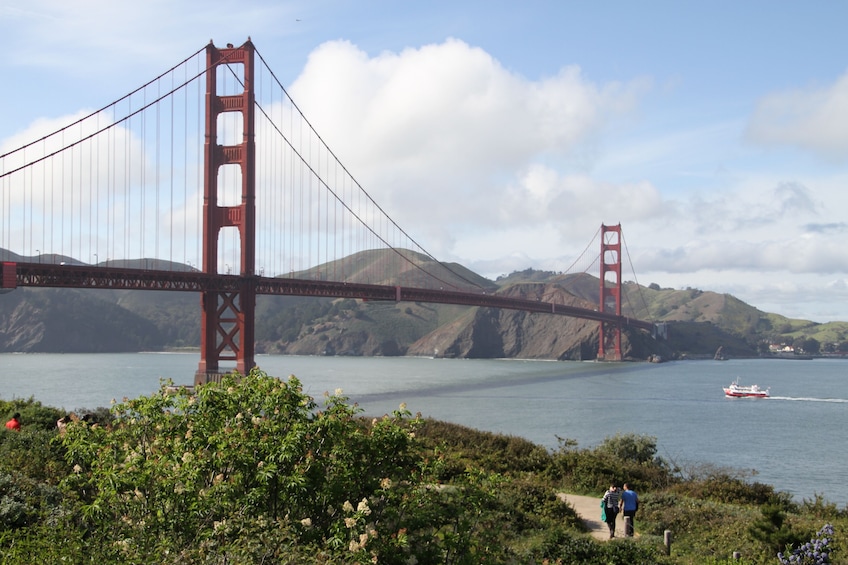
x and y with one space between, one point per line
230 198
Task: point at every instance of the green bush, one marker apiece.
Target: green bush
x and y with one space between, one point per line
175 467
724 488
626 458
497 453
633 448
34 416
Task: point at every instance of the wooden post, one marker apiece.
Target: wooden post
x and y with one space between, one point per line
628 526
667 541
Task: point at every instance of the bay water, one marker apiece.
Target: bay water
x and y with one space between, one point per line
794 440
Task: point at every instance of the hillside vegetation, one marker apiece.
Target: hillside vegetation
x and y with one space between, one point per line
252 470
700 322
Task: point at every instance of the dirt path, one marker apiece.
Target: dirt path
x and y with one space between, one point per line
589 510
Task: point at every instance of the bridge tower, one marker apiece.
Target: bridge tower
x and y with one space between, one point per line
227 318
610 295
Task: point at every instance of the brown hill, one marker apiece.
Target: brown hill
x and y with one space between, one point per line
699 321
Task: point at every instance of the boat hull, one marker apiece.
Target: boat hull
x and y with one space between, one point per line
731 394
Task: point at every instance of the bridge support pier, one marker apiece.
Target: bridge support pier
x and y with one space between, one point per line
609 336
227 318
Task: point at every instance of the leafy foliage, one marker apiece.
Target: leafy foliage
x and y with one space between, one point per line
623 457
252 470
174 468
774 531
725 488
633 448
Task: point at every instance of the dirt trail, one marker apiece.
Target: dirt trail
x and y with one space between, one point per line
589 510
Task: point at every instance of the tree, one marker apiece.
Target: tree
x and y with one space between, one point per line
811 346
180 470
772 530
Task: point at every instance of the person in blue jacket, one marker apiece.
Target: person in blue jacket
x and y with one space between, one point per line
629 505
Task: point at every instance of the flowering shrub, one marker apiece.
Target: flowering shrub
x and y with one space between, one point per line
817 551
175 470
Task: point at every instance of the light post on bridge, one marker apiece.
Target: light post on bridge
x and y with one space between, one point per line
38 252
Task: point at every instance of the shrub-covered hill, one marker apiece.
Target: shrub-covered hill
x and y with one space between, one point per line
123 320
251 470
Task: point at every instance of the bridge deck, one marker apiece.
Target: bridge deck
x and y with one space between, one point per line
83 276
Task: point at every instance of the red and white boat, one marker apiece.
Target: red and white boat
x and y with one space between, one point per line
735 390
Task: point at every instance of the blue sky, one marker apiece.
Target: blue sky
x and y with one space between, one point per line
715 132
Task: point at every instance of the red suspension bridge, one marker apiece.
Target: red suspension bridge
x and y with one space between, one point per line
230 198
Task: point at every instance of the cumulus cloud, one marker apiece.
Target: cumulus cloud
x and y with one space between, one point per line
813 119
450 141
497 171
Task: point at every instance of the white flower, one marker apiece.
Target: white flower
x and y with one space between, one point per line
307 522
348 507
363 507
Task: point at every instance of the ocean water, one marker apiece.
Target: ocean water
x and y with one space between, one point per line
793 440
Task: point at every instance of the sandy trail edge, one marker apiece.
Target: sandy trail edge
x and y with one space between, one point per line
589 510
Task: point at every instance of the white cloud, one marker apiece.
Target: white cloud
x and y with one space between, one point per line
451 142
813 119
498 172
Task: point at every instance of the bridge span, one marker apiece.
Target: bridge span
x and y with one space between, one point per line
84 276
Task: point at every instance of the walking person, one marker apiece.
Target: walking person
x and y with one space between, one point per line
611 504
629 505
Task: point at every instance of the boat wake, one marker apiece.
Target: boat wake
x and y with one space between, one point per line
806 399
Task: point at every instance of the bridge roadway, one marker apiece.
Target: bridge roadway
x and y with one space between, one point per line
88 276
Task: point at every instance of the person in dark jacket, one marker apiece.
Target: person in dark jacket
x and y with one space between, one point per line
611 503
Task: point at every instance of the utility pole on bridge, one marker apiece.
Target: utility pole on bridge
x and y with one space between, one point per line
227 318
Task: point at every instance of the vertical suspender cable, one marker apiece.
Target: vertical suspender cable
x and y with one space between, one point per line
81 170
171 184
142 180
185 168
44 218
